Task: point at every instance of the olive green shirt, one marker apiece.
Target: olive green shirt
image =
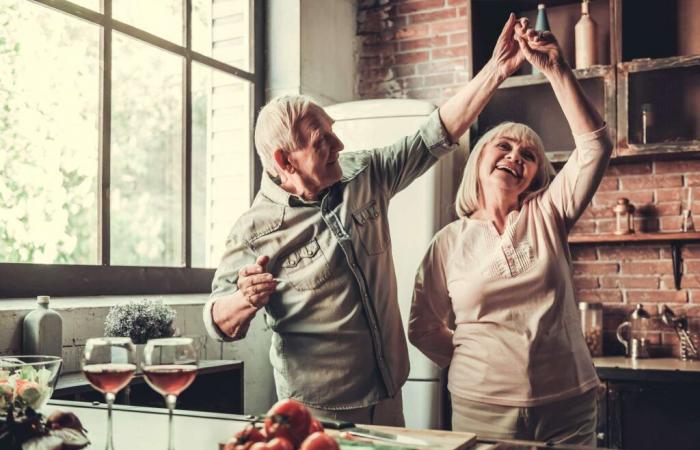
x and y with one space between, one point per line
338 340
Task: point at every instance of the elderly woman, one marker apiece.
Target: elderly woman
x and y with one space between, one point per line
494 297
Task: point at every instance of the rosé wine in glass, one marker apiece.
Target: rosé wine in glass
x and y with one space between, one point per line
170 379
109 378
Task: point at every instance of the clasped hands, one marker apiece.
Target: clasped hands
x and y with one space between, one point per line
518 42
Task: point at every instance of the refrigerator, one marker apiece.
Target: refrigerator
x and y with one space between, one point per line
368 124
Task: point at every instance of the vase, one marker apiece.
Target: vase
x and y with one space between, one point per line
585 36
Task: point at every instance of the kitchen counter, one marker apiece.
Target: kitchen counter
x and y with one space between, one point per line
139 428
648 369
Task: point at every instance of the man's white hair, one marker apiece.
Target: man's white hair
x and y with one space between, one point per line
277 127
469 194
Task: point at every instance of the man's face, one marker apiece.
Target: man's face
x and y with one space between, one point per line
316 164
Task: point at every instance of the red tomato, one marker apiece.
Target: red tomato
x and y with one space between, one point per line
279 444
315 426
249 434
288 419
319 441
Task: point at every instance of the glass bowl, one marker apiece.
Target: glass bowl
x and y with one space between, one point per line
27 381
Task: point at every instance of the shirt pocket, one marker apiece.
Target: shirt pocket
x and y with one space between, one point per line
306 267
372 228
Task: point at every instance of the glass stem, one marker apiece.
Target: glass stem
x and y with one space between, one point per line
109 398
170 400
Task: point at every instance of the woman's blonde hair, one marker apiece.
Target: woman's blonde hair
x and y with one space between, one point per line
469 192
278 127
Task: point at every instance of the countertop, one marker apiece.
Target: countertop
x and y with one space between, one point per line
138 428
647 369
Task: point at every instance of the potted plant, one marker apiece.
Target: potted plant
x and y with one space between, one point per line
140 320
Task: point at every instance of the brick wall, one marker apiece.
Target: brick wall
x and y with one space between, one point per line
418 49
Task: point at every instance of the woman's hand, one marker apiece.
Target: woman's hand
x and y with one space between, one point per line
541 49
507 57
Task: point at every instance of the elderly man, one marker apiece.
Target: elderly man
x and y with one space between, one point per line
314 251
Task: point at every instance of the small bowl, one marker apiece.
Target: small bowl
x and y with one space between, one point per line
27 381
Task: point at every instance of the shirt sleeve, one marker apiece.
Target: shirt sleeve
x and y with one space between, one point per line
398 165
572 189
429 323
236 255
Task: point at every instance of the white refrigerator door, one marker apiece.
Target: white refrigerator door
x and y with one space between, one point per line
413 212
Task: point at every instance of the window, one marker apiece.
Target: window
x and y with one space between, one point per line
125 142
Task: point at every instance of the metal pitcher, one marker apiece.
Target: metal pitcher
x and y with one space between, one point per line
636 344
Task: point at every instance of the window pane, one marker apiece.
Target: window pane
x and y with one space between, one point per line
49 111
146 163
160 17
223 30
221 144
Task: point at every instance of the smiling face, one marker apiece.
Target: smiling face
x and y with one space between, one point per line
508 164
315 162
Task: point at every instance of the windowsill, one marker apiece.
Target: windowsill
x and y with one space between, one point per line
103 301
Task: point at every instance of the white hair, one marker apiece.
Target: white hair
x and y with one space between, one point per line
277 127
468 194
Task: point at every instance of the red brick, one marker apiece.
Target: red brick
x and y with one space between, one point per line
659 181
412 32
450 52
413 82
599 296
691 251
637 198
657 296
609 184
581 283
592 268
692 179
671 195
411 58
461 12
420 5
689 281
606 225
630 282
456 2
676 166
583 253
619 253
439 79
629 169
668 209
646 267
670 223
425 94
598 212
584 227
404 71
434 16
384 48
692 266
442 66
646 224
449 27
437 41
459 38
695 299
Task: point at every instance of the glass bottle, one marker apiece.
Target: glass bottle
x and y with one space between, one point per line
624 216
541 24
585 33
637 329
592 326
42 330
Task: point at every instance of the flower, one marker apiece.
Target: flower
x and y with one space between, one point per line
24 387
6 395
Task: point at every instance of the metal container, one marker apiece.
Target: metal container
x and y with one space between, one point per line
592 326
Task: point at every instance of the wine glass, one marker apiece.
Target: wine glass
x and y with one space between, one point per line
170 366
109 364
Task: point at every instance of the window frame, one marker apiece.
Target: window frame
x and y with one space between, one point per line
28 279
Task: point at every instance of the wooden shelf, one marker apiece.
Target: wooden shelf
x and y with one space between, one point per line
633 237
599 71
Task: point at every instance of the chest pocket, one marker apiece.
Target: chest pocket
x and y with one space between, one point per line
306 267
372 228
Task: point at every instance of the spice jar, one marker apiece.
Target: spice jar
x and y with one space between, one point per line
592 326
624 216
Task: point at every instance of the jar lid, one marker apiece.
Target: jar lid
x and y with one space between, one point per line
43 299
585 305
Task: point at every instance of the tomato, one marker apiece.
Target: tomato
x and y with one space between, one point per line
319 441
279 444
288 419
315 426
249 434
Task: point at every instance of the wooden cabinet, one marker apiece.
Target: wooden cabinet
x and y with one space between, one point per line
218 388
647 86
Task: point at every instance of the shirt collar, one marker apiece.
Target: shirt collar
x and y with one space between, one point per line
270 189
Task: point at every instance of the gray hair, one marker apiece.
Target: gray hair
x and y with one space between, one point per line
277 127
468 194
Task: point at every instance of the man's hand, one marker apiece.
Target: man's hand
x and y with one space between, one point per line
256 285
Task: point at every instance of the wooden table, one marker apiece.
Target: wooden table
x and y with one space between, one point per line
217 388
138 428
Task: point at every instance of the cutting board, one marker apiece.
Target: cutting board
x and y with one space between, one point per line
442 440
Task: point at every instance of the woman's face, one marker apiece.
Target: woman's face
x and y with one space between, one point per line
507 164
